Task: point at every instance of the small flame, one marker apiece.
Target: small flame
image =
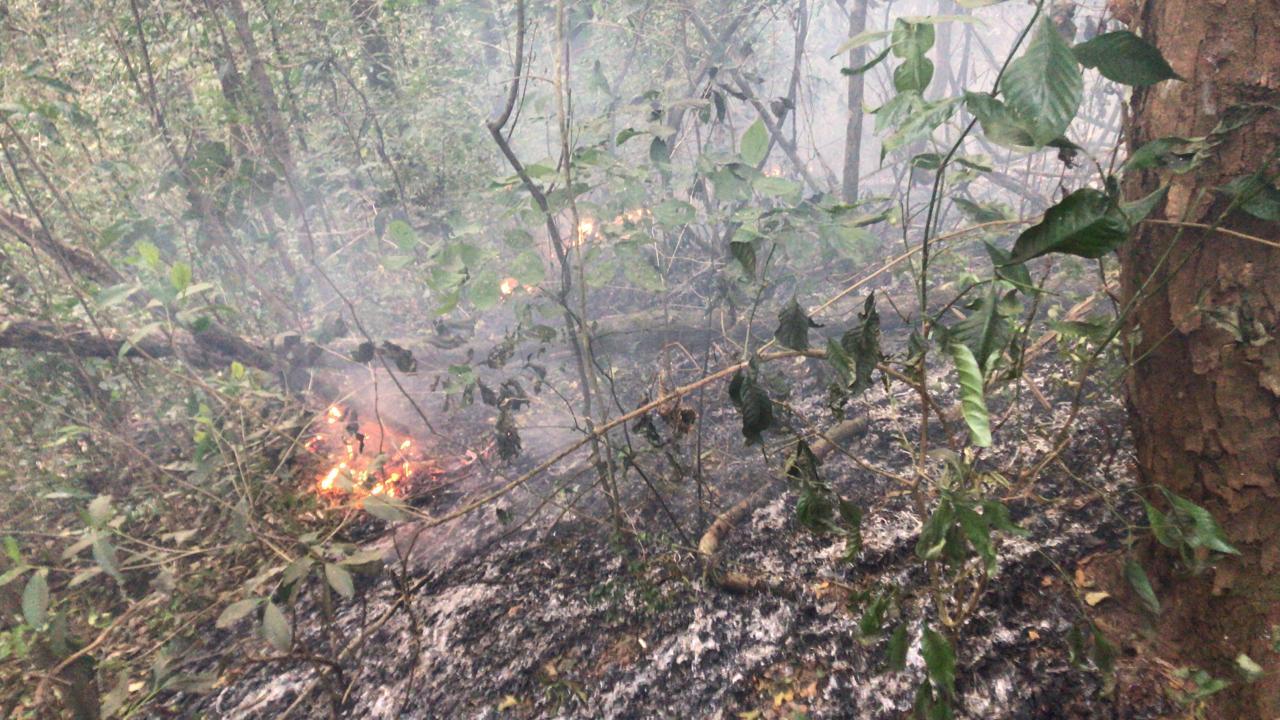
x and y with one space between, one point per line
586 228
773 171
333 415
508 285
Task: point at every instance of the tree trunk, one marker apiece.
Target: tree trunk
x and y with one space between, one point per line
1204 393
853 130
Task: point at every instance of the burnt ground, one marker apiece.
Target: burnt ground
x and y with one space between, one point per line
522 615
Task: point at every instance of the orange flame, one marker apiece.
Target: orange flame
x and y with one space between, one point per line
360 465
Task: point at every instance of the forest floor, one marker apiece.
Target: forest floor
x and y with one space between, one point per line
508 613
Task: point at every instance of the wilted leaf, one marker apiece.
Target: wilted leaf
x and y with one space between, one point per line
793 326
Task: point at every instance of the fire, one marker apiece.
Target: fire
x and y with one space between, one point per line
508 285
586 228
369 458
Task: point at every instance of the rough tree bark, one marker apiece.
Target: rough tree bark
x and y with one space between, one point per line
1204 394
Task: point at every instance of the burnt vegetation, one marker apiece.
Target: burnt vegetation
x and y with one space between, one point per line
742 359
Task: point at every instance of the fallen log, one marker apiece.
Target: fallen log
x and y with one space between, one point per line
213 347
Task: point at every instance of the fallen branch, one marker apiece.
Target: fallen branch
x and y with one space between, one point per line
709 545
213 347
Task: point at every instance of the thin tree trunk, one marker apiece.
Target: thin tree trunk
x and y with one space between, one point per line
853 128
1204 393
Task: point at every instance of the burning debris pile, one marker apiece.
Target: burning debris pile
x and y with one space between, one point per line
366 457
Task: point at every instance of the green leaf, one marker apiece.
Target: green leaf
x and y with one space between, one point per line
999 123
857 41
673 213
1006 270
872 620
384 508
896 650
275 628
939 661
402 234
793 326
1249 669
528 269
100 510
1204 530
1138 210
638 269
978 531
1125 58
911 39
484 290
104 553
755 143
988 327
1141 584
1044 86
914 74
234 612
340 580
745 254
1256 196
933 536
35 600
180 276
973 403
1086 223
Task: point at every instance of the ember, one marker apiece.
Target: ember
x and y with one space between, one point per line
369 458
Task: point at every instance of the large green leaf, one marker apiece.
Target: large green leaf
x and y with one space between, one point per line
1125 58
911 39
914 74
755 143
973 403
1044 86
1086 223
999 123
988 327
